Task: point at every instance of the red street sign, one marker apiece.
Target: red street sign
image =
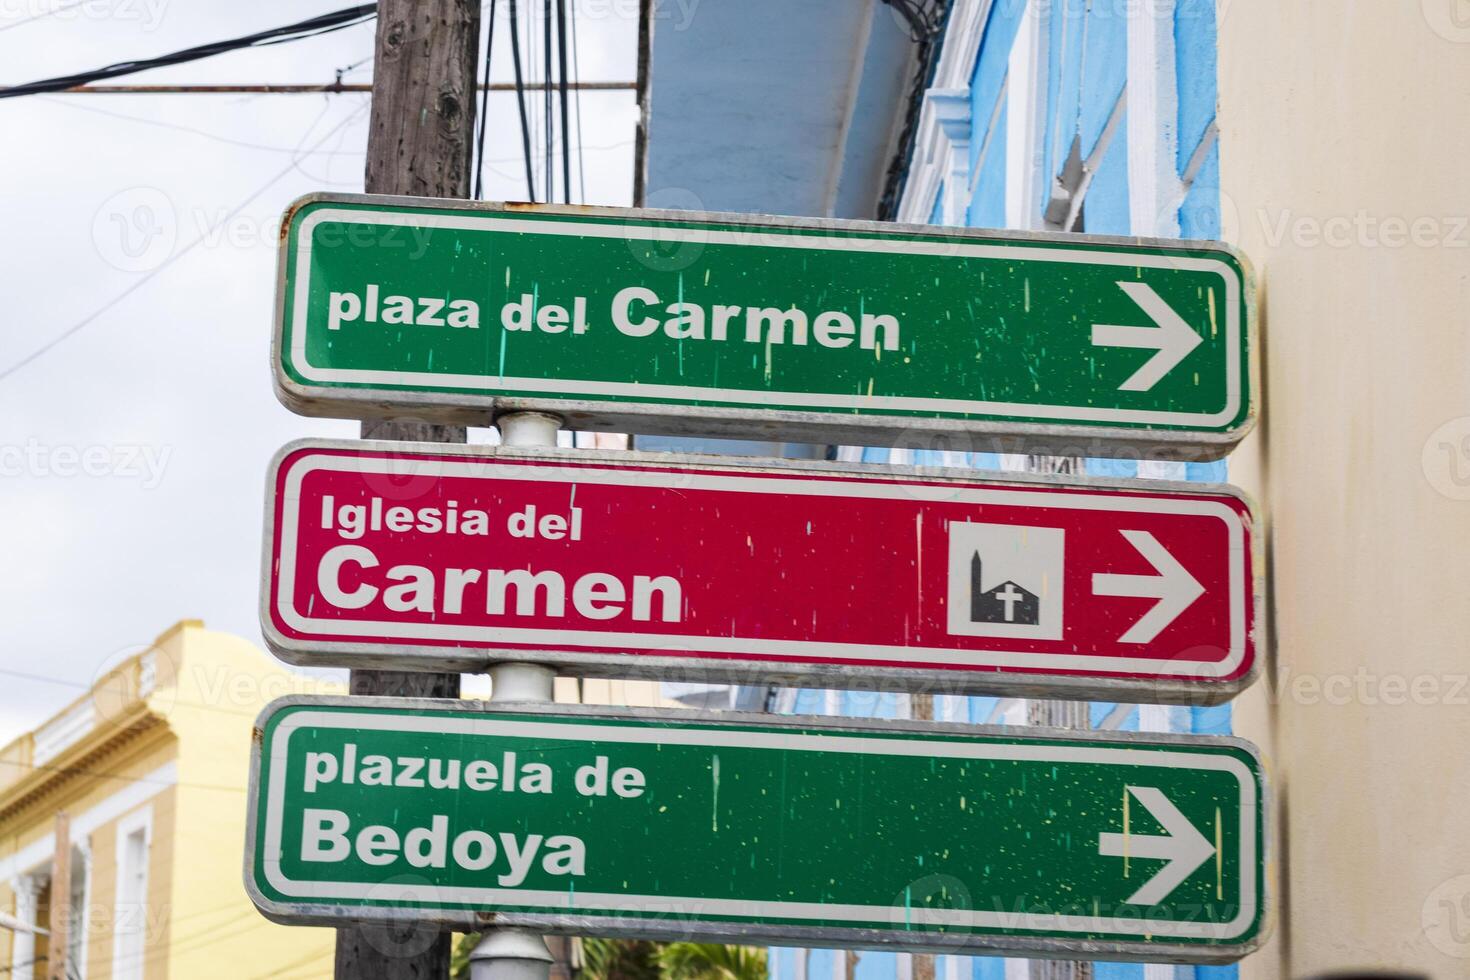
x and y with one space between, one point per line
388 555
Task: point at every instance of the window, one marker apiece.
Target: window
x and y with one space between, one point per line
79 915
130 917
23 947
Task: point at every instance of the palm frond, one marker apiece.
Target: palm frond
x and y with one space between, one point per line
712 961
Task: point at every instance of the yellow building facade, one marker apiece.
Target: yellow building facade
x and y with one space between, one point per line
150 767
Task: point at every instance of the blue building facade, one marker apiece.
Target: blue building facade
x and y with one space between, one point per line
1093 116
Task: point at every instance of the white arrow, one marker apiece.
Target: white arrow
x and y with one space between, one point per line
1170 336
1173 586
1182 846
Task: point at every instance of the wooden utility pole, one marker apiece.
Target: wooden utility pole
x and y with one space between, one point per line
57 946
419 143
423 107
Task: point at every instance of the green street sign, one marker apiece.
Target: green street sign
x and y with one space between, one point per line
757 829
822 331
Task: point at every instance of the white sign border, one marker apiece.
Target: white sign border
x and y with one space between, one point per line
514 387
782 737
282 598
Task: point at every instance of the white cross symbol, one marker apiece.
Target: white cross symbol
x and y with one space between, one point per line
1010 597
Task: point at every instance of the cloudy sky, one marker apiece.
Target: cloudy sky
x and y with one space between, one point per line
138 241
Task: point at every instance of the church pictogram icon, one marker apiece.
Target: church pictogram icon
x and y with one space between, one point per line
1005 580
1004 603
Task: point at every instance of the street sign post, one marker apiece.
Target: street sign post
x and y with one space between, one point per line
750 828
823 331
823 575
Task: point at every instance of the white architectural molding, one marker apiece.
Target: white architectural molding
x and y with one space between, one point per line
962 37
1008 711
944 121
1154 188
79 931
147 673
952 117
940 158
1026 119
920 190
130 911
64 731
951 707
1164 469
1153 717
23 947
131 796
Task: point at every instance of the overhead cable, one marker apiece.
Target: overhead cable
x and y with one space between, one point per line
566 141
483 119
311 27
515 57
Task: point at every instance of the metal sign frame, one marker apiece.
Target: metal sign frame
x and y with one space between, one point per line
407 655
674 416
676 926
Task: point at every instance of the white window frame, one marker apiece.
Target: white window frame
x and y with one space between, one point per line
1154 188
128 826
1026 119
79 929
27 891
940 160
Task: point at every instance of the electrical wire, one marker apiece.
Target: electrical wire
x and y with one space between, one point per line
196 940
294 965
97 773
484 117
176 703
566 143
576 86
349 69
296 151
488 163
179 127
549 132
924 18
20 966
311 27
925 25
166 263
44 14
200 938
529 8
515 57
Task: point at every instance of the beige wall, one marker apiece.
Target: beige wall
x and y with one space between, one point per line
1329 110
134 761
199 921
102 902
